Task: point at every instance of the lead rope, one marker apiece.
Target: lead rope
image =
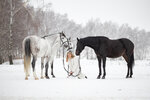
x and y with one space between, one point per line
64 62
68 66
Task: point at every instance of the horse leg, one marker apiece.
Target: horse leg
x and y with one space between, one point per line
46 68
99 62
131 71
33 67
127 60
104 65
128 70
131 64
42 66
129 74
52 70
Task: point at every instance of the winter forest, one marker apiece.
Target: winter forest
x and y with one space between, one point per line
19 19
60 75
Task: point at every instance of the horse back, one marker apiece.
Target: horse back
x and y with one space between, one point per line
39 46
116 48
127 44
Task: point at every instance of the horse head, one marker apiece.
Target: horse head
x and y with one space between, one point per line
79 47
70 47
64 39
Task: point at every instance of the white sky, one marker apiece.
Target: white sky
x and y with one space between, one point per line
134 12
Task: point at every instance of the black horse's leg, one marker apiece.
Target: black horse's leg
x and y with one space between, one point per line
131 72
104 65
127 76
52 70
128 65
46 70
131 65
33 67
99 62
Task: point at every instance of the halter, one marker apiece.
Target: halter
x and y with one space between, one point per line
64 42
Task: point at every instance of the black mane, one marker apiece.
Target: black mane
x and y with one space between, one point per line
93 41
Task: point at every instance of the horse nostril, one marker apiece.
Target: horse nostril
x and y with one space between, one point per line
77 53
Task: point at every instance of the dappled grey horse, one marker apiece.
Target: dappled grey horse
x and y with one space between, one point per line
44 47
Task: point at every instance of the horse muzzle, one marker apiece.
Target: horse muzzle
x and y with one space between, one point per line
77 53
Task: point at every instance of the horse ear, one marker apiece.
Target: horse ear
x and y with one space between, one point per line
62 33
78 39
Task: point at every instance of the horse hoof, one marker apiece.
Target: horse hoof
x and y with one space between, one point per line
98 77
42 77
36 78
47 77
103 77
86 77
53 76
26 78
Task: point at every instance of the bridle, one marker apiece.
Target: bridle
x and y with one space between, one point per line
63 42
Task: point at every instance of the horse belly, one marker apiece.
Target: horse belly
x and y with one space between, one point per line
41 53
43 48
116 53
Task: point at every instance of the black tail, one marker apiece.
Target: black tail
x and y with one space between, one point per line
27 48
132 60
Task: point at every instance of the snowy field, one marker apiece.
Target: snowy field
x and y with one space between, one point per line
114 87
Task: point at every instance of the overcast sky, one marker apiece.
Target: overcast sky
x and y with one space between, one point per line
134 12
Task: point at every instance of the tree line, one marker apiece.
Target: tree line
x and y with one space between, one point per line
18 19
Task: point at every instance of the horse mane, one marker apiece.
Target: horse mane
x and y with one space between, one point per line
61 33
49 35
92 39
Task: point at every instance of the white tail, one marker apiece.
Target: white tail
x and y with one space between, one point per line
27 62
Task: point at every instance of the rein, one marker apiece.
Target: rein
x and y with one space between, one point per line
68 66
55 34
49 35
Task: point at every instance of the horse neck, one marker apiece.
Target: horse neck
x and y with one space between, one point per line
88 42
54 39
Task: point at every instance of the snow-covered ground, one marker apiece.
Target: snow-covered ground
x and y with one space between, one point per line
114 87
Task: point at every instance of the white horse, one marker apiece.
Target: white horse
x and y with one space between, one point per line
45 47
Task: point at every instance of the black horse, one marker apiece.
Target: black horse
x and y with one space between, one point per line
104 47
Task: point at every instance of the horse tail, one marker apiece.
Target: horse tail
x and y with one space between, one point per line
130 52
27 56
